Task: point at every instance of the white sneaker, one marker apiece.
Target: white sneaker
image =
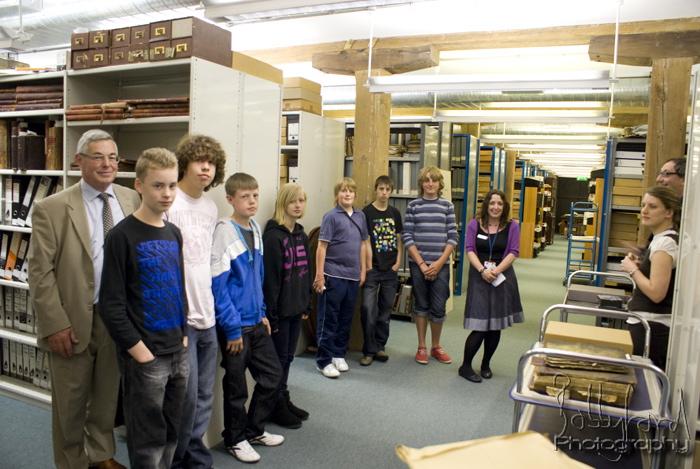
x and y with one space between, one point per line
340 364
267 439
329 371
244 452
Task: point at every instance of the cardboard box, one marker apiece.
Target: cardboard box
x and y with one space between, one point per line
301 93
629 200
628 182
182 47
256 68
119 55
623 190
79 41
160 31
138 53
301 105
193 37
98 58
298 82
626 218
120 37
80 59
99 39
622 227
160 50
623 235
140 34
603 337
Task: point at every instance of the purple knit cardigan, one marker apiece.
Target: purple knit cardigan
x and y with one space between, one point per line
513 246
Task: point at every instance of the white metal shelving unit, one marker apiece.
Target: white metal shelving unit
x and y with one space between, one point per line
683 367
319 156
10 385
239 110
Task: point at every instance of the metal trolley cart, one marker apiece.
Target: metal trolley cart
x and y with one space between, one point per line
593 432
587 295
581 248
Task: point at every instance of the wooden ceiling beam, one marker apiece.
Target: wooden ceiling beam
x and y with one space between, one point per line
541 37
642 49
400 60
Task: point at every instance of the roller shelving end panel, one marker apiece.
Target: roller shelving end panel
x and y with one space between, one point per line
464 162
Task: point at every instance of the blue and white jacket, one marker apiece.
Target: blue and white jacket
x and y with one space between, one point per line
237 279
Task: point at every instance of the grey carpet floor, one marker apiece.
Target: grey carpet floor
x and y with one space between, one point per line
357 420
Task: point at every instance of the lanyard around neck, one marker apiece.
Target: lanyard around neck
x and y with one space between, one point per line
491 241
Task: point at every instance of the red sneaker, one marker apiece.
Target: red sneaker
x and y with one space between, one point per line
422 356
439 354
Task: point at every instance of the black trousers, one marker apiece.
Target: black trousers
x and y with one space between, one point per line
658 343
260 358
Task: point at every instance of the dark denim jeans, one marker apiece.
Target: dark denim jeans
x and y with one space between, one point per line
335 309
260 358
378 296
191 451
154 396
285 339
430 296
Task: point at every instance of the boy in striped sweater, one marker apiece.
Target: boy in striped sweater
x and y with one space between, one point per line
430 236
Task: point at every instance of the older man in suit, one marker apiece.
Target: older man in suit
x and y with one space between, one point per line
65 266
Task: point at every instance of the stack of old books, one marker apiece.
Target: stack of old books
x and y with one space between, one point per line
34 97
413 145
90 112
8 99
130 108
158 107
396 150
30 98
594 382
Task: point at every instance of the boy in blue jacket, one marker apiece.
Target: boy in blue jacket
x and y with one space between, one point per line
242 328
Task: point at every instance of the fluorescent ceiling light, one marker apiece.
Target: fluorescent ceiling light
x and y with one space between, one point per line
457 83
521 115
546 104
533 138
562 147
271 10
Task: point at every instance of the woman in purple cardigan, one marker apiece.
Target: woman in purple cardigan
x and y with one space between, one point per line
493 299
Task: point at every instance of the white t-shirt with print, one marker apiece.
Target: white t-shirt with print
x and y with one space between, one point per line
196 219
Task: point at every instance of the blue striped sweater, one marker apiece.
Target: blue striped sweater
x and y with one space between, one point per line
430 225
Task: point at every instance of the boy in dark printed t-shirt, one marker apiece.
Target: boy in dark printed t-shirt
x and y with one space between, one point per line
382 282
144 307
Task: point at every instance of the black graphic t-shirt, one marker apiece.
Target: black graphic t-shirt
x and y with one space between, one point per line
384 228
143 291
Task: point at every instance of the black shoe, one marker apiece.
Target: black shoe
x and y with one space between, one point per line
469 375
381 356
283 416
299 412
486 373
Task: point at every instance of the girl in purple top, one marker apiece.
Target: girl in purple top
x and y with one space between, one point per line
493 299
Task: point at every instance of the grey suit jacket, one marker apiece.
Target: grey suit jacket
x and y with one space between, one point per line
61 274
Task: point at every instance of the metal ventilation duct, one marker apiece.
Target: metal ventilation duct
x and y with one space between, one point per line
628 92
52 25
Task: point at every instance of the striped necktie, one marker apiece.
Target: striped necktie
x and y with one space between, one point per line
107 220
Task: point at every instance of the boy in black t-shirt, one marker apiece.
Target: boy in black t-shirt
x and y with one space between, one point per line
144 307
381 284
